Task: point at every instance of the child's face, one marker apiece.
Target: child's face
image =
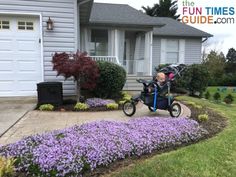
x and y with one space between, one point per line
161 77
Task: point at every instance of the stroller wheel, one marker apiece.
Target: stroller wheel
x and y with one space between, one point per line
151 108
175 110
129 108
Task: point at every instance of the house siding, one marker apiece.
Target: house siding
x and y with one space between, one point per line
156 52
192 50
63 38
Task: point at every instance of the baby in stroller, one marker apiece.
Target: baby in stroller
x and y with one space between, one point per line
156 94
160 81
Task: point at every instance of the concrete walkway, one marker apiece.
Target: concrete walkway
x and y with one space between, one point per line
39 122
12 110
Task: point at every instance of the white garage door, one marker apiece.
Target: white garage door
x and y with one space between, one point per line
20 59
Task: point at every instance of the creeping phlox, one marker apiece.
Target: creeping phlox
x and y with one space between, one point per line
72 151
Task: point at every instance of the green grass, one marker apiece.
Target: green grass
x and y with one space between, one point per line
213 90
215 157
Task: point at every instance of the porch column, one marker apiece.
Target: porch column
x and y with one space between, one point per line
85 38
148 53
116 40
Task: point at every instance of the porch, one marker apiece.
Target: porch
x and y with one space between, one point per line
129 48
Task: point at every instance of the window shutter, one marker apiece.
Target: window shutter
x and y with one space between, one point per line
181 51
163 51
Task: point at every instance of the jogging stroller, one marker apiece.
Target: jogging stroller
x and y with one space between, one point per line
160 98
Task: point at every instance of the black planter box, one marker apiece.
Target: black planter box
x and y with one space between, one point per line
50 93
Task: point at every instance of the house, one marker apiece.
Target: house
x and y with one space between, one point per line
116 33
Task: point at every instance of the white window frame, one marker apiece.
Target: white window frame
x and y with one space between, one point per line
181 51
8 25
173 50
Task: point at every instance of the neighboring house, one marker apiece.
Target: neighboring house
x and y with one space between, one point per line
117 33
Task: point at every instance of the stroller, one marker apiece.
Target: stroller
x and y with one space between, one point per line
160 98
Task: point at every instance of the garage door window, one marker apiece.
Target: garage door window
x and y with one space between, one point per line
4 24
25 25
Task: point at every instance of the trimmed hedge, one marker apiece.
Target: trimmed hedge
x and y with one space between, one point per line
111 81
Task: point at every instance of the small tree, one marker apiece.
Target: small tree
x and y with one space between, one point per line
207 95
229 99
195 79
79 66
217 96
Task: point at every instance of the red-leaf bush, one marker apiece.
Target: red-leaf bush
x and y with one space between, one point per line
78 65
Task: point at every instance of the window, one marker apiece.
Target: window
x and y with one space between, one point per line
99 43
172 51
4 24
22 25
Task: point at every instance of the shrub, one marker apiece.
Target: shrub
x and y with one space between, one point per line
217 96
198 106
122 102
72 151
81 106
111 81
207 95
229 99
191 103
46 107
6 167
112 106
203 117
126 96
194 79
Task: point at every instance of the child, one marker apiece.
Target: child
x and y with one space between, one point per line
160 80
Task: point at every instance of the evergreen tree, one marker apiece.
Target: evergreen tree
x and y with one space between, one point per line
231 61
165 8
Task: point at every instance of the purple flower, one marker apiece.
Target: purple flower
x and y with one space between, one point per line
98 102
69 151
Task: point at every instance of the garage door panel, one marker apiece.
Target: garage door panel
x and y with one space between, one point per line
6 45
7 86
20 58
27 66
6 66
29 46
27 85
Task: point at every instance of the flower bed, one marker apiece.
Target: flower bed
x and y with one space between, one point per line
75 150
98 102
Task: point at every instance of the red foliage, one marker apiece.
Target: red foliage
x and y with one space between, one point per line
79 66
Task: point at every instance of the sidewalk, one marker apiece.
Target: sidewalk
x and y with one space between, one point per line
12 110
40 122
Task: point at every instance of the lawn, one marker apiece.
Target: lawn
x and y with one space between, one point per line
223 93
215 157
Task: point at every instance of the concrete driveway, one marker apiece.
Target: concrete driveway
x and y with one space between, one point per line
12 110
37 122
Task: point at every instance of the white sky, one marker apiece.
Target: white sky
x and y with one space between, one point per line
224 35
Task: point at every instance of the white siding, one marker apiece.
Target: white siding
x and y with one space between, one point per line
156 52
193 50
62 39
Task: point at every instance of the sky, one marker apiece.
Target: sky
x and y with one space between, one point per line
224 34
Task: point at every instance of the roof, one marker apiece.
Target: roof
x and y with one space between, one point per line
120 14
85 7
125 15
176 28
